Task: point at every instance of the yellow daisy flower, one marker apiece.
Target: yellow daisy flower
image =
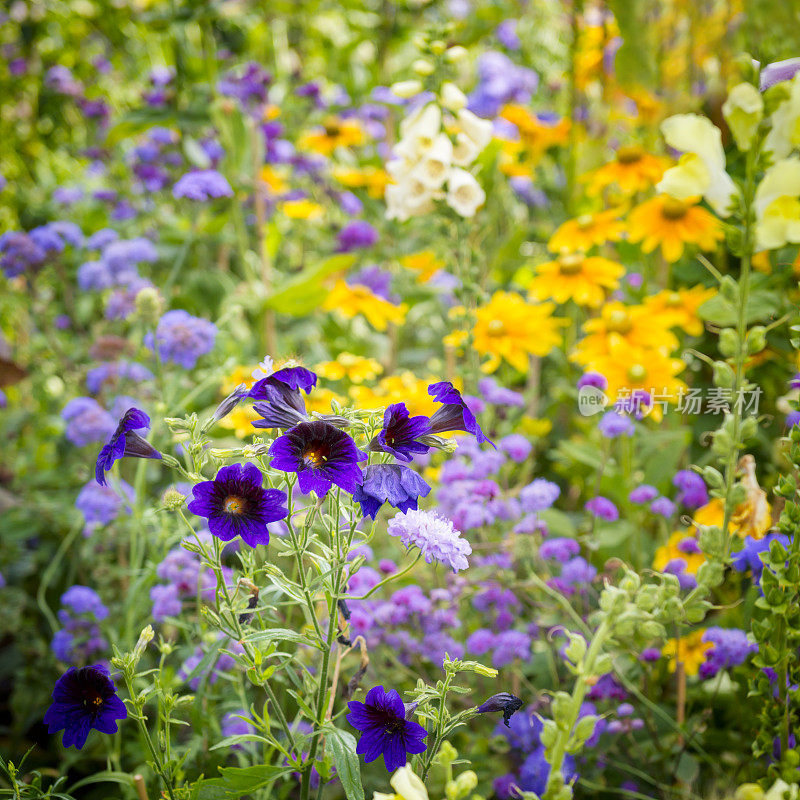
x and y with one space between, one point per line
689 649
586 231
628 369
425 263
333 133
537 135
350 301
618 324
302 209
633 170
671 224
373 179
678 309
320 399
274 180
510 328
356 369
403 387
574 276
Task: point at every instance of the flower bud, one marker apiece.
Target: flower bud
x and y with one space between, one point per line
756 339
452 97
406 89
145 637
728 342
149 304
456 53
172 499
422 67
743 110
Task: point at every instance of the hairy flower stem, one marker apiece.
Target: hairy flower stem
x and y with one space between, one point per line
138 708
559 748
741 335
440 720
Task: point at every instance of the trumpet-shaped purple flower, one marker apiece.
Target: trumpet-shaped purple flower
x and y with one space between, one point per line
125 442
454 415
281 404
321 455
235 504
381 718
84 699
399 486
508 703
400 433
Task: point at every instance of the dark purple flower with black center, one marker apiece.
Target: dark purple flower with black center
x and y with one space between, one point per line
321 455
84 699
235 504
399 486
125 442
454 415
381 718
400 433
505 702
281 404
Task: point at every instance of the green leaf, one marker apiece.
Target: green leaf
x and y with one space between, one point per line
237 782
304 293
342 746
107 776
761 305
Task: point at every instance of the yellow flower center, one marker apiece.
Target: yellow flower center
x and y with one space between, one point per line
313 458
636 373
570 264
585 221
629 154
619 322
233 505
673 300
496 327
673 209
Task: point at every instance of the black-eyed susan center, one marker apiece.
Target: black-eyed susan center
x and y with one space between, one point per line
619 322
496 328
570 264
629 154
673 209
234 505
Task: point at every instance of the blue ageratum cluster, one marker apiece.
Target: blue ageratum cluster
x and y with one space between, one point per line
80 640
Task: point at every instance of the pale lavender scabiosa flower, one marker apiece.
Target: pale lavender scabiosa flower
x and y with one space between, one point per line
182 338
87 421
202 185
538 495
101 504
434 535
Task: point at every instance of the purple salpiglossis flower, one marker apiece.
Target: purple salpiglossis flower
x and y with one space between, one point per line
125 442
235 504
381 718
281 404
399 486
84 699
400 433
454 414
321 455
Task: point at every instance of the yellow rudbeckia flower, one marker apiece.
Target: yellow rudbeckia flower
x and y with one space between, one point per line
574 276
349 301
587 231
510 328
690 650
